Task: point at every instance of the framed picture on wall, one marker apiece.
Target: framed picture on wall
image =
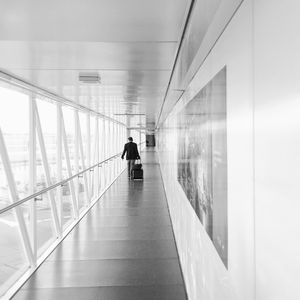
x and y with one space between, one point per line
202 159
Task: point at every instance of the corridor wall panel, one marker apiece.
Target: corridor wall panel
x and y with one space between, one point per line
277 148
206 275
260 49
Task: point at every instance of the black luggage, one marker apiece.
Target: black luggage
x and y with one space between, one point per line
137 173
137 166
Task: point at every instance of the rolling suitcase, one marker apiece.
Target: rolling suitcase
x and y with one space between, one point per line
137 174
137 166
137 171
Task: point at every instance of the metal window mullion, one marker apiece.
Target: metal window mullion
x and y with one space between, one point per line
103 153
116 149
88 150
32 176
80 144
140 134
47 171
123 141
94 188
126 131
112 151
113 148
76 158
97 157
59 163
119 136
91 191
67 157
100 153
119 146
122 138
109 150
14 197
115 145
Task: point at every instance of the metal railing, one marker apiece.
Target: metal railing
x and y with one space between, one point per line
53 186
48 218
53 213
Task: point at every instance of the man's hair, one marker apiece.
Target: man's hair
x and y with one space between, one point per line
130 139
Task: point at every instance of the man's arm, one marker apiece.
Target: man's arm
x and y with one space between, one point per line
124 151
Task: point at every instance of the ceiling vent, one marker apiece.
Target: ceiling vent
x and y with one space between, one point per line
91 77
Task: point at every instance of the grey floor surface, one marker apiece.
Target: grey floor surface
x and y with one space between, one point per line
123 249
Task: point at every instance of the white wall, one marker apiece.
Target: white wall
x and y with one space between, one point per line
205 275
260 48
277 148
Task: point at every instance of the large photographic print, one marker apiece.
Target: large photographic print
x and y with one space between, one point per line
202 159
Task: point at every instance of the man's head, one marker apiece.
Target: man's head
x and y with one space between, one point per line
130 139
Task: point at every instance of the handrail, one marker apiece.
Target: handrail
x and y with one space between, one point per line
61 183
53 186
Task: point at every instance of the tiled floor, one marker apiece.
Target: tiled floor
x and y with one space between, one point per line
123 249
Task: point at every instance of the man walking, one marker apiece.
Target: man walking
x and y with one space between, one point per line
132 154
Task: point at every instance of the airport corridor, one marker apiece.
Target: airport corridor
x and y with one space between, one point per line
123 248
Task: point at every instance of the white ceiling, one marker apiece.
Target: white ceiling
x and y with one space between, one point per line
131 43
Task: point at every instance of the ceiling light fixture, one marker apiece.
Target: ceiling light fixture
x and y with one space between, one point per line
89 77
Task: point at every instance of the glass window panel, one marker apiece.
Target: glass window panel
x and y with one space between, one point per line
40 173
81 193
14 123
84 135
93 183
47 113
69 121
93 140
45 225
109 137
104 139
14 106
101 140
66 205
13 262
